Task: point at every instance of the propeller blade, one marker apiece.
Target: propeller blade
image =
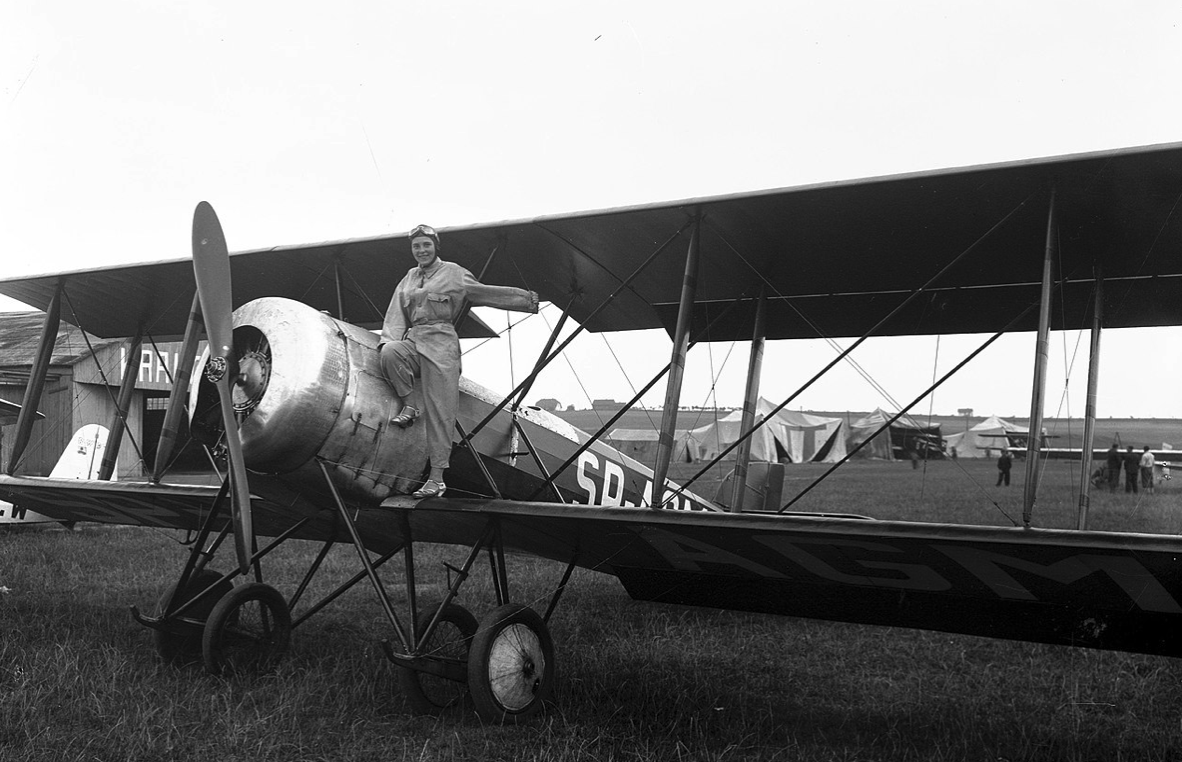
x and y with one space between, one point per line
211 267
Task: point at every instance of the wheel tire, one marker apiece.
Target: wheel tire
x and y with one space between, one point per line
511 665
430 694
183 648
248 631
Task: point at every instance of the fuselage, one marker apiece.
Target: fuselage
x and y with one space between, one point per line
311 390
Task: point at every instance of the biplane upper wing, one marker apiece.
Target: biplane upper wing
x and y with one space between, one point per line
833 259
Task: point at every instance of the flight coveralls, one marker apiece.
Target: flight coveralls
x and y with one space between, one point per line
419 340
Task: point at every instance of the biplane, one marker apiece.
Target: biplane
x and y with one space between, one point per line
292 399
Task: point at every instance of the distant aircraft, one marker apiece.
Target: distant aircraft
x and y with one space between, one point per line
80 460
295 400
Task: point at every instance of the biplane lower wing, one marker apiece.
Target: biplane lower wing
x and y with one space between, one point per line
184 507
1092 589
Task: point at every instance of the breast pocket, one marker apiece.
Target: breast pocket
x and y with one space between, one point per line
438 306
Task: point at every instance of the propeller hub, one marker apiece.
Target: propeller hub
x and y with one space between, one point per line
215 369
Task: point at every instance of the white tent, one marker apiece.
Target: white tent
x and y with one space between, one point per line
641 444
893 442
789 436
879 446
984 440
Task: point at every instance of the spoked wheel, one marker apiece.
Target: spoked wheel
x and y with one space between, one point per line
452 639
179 642
511 665
247 632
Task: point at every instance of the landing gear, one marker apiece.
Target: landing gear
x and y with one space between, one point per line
511 665
178 640
247 632
502 665
451 641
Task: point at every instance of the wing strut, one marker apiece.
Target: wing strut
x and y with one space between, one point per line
908 406
1089 436
466 440
122 406
750 400
1041 353
689 287
28 414
529 445
180 386
336 281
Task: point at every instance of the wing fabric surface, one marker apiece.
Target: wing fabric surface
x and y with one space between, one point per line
834 258
1092 589
275 509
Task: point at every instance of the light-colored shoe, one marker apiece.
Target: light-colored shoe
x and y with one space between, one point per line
431 489
406 418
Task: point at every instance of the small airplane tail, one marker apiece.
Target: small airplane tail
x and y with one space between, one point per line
82 459
83 456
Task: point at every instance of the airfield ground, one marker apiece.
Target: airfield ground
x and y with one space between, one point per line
80 680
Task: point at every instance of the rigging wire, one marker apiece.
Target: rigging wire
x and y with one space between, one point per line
916 401
648 413
575 373
123 415
843 354
764 419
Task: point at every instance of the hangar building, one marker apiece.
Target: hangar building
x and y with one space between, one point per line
82 388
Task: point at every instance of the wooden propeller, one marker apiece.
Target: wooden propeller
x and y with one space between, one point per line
211 266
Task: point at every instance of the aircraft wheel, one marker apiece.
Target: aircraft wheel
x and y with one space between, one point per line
181 643
247 632
511 665
431 694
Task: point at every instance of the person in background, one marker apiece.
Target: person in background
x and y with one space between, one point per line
419 340
1132 465
1112 468
1004 462
1146 465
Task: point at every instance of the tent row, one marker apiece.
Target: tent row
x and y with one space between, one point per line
793 437
789 437
986 439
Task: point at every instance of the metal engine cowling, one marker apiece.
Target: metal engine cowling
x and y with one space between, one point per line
311 386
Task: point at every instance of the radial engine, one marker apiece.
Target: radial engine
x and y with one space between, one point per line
311 387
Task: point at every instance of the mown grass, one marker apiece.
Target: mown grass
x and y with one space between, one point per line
79 679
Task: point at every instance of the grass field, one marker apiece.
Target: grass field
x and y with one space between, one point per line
79 679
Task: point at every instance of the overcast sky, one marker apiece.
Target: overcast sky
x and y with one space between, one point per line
306 122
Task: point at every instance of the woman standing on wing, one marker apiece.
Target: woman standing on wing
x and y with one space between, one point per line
419 340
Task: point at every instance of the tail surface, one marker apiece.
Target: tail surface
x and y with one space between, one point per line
80 460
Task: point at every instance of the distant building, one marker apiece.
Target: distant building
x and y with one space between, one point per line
549 404
81 389
606 405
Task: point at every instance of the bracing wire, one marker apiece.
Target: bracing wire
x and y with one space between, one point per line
627 379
